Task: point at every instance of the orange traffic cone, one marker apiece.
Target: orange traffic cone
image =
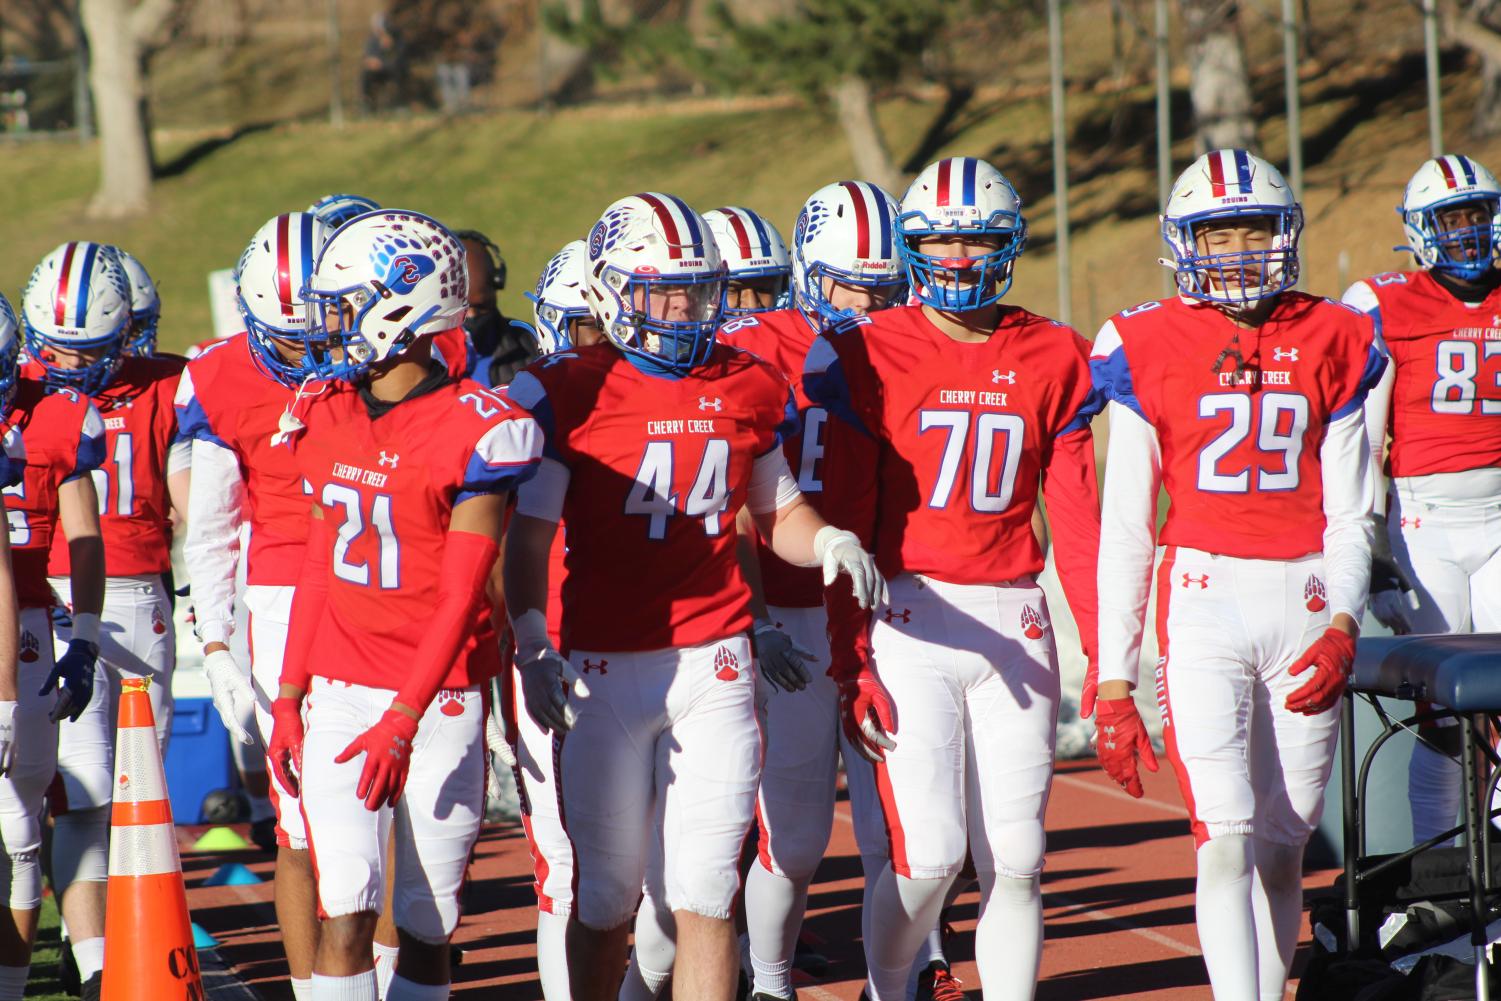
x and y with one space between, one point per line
148 941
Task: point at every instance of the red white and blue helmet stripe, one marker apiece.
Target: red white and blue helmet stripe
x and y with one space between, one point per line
956 180
872 219
296 250
1229 168
750 232
70 303
679 224
1457 170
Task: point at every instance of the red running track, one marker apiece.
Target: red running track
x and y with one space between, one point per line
1117 893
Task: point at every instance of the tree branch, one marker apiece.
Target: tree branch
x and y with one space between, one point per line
149 20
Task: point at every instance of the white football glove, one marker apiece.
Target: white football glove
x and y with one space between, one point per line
781 660
839 552
7 736
233 696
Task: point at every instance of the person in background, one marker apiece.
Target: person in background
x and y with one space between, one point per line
383 70
499 347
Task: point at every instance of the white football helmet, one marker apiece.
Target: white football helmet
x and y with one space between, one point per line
751 249
966 196
78 298
335 210
272 271
559 300
649 247
10 354
845 232
1228 184
1446 182
145 307
386 279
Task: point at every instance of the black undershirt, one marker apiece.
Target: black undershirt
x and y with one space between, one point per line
1469 292
436 378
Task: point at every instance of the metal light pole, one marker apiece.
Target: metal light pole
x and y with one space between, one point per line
1164 123
1294 104
335 87
1060 159
83 117
1430 56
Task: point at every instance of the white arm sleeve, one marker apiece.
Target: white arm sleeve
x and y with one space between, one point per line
1378 401
542 495
771 484
1345 460
179 456
1128 541
211 548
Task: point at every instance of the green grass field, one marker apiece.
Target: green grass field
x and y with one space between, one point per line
44 983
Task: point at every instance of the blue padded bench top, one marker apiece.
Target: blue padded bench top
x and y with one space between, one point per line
1460 672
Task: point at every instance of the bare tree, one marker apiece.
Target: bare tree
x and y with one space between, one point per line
1478 28
1219 85
855 109
122 35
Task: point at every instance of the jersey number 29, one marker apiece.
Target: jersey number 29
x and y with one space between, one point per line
1280 422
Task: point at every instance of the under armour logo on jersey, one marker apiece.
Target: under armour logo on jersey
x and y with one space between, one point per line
1314 595
1496 320
1291 354
1031 623
595 665
892 615
997 376
1413 522
388 458
1202 581
726 664
716 405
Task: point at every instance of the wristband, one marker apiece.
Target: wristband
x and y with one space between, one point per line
86 628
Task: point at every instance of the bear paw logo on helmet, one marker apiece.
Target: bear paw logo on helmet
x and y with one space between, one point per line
400 267
1314 595
1031 623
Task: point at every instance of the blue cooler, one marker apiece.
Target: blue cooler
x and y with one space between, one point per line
198 757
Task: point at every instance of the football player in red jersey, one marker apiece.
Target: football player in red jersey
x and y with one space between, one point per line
653 443
945 419
837 278
145 467
1438 526
230 401
59 439
563 322
134 397
391 638
1243 400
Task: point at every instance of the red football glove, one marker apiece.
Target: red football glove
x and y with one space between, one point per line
867 716
1331 657
1091 688
387 747
285 751
1120 738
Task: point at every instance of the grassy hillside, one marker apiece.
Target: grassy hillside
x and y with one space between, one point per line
534 182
